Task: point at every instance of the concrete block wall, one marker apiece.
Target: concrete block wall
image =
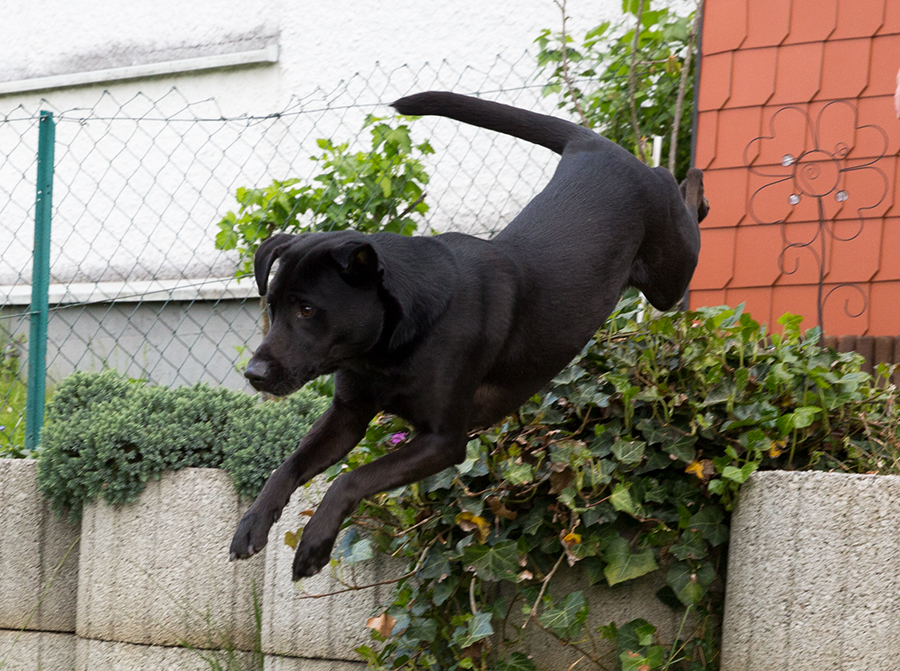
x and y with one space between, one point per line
813 582
149 585
814 574
156 572
38 575
331 627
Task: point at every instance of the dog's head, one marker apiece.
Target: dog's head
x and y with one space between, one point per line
326 307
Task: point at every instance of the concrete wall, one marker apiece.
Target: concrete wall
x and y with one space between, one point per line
169 343
814 574
813 582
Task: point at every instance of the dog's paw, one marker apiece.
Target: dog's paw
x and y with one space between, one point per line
252 533
311 557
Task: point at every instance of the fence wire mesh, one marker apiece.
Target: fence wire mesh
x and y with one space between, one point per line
137 283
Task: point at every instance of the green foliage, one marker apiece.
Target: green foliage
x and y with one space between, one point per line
594 78
106 436
12 402
629 463
381 189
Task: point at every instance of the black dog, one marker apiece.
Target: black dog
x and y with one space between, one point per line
453 332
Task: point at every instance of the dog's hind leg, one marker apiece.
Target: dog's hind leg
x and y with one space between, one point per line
424 455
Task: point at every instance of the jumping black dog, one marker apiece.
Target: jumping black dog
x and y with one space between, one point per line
454 332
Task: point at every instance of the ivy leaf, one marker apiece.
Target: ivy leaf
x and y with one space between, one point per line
708 521
479 628
500 562
690 583
622 565
567 619
517 661
629 451
621 499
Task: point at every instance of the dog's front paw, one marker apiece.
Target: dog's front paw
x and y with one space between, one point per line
252 533
312 555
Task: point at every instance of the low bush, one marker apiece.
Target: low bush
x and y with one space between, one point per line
106 436
629 463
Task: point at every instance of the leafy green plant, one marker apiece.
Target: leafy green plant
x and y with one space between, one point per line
628 464
381 189
12 401
628 80
105 436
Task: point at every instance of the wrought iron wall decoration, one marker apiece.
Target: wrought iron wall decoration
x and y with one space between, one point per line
807 175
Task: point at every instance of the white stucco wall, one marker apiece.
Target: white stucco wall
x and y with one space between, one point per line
139 200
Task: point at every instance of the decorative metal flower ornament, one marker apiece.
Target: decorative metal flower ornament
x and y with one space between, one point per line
811 182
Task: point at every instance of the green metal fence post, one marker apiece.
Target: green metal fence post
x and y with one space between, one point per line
40 285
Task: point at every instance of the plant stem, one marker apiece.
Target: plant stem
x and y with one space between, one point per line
634 49
682 86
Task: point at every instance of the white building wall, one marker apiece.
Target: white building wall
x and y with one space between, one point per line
152 215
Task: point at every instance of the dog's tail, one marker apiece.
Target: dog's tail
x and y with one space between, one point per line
540 129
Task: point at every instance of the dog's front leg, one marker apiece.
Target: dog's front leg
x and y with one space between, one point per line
426 454
331 437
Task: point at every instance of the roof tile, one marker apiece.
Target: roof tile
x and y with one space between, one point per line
717 247
768 22
798 73
727 194
854 251
773 200
725 25
715 81
865 192
884 317
796 300
884 65
845 69
736 129
756 258
755 70
757 302
858 18
799 254
846 309
889 263
891 24
785 133
879 113
706 138
706 298
811 20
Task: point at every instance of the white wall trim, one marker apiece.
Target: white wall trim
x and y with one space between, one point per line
152 291
255 57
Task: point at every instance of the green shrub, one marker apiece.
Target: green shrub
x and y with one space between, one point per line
12 399
106 436
379 189
628 463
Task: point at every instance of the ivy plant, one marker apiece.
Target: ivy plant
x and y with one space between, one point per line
628 464
381 189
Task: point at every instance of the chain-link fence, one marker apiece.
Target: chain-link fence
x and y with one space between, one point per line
136 281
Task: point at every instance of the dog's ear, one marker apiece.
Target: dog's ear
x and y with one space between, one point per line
265 256
358 264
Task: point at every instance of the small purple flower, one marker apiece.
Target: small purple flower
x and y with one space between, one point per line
398 437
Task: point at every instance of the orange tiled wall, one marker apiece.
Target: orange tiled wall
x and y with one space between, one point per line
799 142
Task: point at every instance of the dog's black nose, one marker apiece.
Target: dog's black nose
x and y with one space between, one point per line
257 371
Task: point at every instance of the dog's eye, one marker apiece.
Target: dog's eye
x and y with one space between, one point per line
306 311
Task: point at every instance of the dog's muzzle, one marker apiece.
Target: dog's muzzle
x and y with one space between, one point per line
257 372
